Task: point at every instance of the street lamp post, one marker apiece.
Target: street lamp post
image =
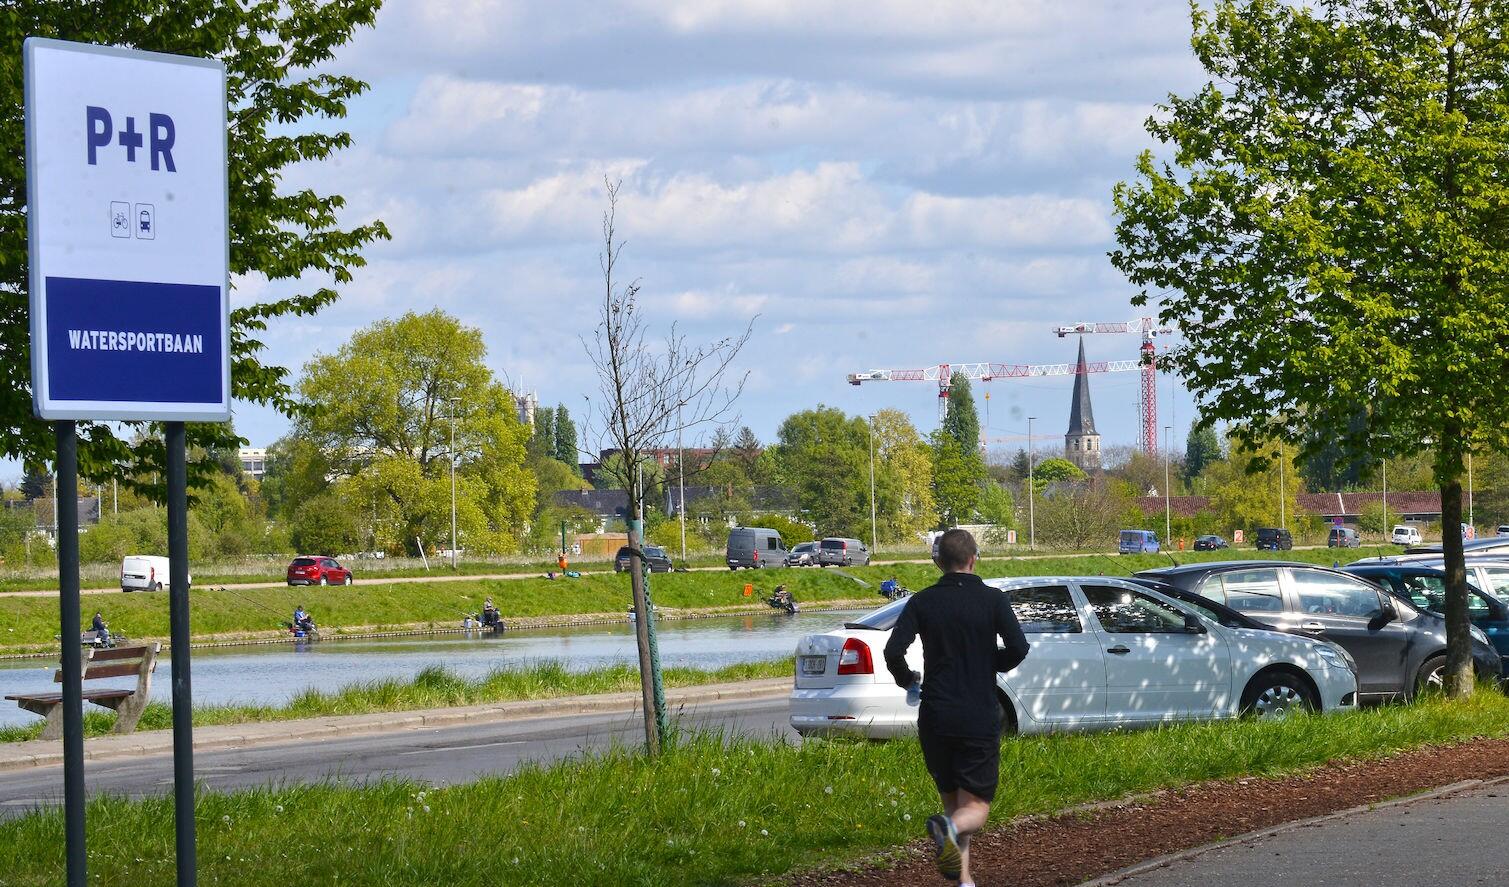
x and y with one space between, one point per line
1031 490
1283 521
1168 505
454 401
874 542
681 483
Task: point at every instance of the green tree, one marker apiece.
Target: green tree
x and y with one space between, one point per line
1055 471
325 525
997 508
542 437
1329 232
958 478
1244 489
566 447
297 470
1083 514
822 455
962 422
904 503
279 82
382 409
1202 447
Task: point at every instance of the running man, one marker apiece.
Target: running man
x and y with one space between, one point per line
959 720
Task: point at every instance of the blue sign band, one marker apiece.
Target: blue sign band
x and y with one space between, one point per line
125 341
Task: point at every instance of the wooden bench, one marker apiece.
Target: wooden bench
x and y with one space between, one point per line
100 663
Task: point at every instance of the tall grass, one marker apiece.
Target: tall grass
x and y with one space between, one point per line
712 810
433 687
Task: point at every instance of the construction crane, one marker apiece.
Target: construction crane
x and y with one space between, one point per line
985 372
1148 402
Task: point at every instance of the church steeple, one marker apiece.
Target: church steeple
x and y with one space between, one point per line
1082 443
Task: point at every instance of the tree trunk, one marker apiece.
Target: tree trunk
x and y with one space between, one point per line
1459 670
642 637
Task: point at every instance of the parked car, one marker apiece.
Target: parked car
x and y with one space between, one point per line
802 554
1493 545
1105 653
145 572
1503 530
1343 537
1399 649
654 555
1137 542
1274 539
1210 543
1403 534
1488 572
310 569
1425 587
754 548
836 551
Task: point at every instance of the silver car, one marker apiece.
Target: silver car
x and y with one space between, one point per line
803 554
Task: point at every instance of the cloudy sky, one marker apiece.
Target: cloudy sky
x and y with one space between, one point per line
888 183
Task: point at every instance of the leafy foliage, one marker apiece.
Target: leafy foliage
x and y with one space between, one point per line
271 53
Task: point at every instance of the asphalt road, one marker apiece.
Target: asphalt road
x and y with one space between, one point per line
1458 840
436 756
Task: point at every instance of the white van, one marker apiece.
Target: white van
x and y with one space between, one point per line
1404 534
145 572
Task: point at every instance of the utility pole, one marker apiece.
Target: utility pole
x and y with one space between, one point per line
874 544
453 401
1470 521
1168 507
1385 497
681 483
1031 489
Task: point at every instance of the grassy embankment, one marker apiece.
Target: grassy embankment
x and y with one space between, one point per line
433 688
30 623
106 576
712 810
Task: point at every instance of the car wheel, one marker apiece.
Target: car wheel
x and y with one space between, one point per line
348 578
1275 695
1432 676
324 581
1007 714
157 586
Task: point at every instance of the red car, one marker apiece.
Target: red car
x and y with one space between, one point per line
316 570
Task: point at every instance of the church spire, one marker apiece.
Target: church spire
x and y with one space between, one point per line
1082 443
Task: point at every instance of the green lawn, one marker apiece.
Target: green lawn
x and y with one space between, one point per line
30 623
433 687
714 810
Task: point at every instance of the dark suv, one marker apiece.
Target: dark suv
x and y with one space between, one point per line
655 556
1274 539
1399 648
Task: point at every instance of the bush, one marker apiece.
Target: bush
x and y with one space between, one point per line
791 531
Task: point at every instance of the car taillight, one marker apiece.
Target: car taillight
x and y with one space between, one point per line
757 556
854 658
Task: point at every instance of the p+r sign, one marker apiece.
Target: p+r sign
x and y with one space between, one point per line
128 234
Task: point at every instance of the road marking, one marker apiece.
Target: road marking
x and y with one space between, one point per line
430 751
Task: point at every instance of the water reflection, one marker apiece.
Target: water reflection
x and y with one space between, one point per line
273 674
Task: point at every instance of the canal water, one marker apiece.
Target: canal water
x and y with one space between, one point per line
271 675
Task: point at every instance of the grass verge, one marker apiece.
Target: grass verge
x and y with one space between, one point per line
434 687
30 623
712 810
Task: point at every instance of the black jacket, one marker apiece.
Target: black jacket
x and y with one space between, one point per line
959 619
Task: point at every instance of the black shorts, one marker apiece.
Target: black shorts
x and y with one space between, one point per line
972 763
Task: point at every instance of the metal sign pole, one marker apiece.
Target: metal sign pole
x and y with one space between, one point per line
73 684
178 627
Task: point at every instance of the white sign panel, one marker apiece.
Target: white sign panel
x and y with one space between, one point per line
128 234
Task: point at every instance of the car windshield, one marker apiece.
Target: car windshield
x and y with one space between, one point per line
303 561
623 552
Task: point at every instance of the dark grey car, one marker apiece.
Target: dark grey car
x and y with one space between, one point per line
1397 647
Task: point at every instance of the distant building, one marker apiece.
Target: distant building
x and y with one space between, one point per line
254 461
1082 443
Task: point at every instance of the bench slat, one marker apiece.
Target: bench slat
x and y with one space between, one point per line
91 672
108 654
58 697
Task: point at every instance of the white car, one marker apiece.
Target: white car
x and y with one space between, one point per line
1105 653
1405 535
145 572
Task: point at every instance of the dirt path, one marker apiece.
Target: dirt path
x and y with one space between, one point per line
1073 847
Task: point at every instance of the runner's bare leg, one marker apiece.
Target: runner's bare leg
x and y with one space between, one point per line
968 813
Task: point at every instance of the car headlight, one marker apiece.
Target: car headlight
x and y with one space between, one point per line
1329 655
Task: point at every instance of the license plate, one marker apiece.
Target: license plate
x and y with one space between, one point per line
814 665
